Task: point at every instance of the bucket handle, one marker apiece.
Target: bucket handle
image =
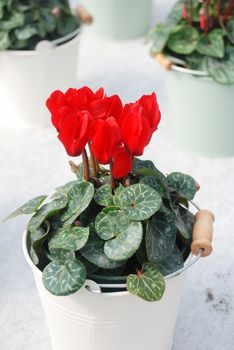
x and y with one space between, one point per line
201 246
168 64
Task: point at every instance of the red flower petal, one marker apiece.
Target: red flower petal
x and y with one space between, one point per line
122 162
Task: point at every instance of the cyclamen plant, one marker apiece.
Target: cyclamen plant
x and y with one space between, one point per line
23 23
125 219
200 33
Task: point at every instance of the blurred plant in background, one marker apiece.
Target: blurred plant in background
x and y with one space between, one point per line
23 23
201 34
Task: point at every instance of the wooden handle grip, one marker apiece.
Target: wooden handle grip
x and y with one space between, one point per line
203 232
164 61
83 14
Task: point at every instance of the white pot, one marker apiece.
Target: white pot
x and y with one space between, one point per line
27 78
201 113
90 320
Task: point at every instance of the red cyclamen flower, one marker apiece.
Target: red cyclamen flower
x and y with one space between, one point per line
122 162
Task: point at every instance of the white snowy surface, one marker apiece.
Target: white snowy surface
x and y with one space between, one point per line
34 162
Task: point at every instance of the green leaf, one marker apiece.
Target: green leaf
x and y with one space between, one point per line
16 20
37 239
230 30
109 225
126 242
103 196
172 263
28 208
153 182
175 14
159 35
25 32
64 278
46 211
149 285
71 238
142 164
160 236
212 44
183 184
222 71
4 41
184 221
93 251
80 197
62 255
184 41
139 201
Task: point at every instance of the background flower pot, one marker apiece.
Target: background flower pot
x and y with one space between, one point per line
120 19
28 77
201 113
104 321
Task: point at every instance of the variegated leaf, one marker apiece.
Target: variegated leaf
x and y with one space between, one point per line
148 285
103 196
172 263
28 208
160 236
125 243
71 238
183 184
109 225
64 278
139 201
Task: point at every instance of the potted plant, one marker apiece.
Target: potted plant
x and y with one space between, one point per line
118 235
120 19
38 51
196 43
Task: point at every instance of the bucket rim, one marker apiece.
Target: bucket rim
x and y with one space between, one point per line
95 287
58 43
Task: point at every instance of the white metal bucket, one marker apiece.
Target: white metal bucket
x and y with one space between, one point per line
27 78
109 321
200 112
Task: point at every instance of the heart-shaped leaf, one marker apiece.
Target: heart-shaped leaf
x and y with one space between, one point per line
184 41
148 285
212 44
14 21
159 36
28 208
109 225
79 196
64 278
47 210
175 14
103 196
71 238
153 182
160 236
222 71
126 242
93 251
172 263
139 201
183 184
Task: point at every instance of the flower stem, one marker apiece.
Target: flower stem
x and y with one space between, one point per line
113 182
85 165
93 161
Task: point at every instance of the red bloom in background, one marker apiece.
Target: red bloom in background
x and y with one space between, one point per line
105 137
122 162
74 132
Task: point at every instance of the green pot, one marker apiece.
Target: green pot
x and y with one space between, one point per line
119 19
201 113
